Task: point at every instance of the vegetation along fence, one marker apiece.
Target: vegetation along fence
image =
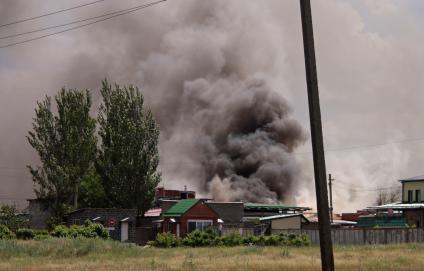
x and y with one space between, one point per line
364 236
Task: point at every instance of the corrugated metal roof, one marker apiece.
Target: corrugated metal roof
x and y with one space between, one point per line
398 206
181 207
249 206
281 216
413 179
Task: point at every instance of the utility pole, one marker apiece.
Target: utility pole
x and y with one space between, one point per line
326 246
330 183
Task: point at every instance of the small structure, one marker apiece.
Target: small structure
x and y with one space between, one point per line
189 215
121 223
382 221
257 210
162 193
411 210
284 222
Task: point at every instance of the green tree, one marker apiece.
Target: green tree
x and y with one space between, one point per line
128 156
92 193
66 145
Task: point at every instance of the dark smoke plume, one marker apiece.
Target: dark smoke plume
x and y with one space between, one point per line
203 71
243 138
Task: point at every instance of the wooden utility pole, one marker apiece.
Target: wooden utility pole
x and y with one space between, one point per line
327 260
330 187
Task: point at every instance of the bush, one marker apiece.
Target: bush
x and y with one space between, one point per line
166 239
88 230
10 218
199 238
60 231
25 234
210 238
233 239
42 235
5 233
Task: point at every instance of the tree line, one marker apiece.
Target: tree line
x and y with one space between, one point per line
108 161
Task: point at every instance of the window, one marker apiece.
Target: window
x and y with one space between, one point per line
409 196
418 195
198 225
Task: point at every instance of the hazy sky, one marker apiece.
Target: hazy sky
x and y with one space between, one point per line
370 72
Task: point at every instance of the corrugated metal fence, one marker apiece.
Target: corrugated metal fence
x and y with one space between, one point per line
364 236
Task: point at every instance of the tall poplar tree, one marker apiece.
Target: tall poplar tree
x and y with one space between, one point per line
128 156
66 145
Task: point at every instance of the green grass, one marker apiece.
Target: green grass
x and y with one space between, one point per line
95 254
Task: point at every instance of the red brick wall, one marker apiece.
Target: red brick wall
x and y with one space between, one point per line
200 211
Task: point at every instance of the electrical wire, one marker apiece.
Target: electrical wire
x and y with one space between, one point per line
50 13
71 23
366 190
83 25
364 146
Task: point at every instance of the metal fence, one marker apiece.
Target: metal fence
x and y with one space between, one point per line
364 236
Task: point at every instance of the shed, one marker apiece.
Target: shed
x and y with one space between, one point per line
188 215
121 223
285 221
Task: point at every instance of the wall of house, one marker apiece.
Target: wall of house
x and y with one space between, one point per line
198 212
413 186
286 223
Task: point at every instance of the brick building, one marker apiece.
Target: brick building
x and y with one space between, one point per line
188 215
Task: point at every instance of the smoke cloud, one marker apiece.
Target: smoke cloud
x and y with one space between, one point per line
221 77
240 133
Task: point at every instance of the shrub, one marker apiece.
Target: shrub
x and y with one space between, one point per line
88 230
60 231
5 233
25 234
98 230
201 238
166 239
209 238
233 239
10 218
42 235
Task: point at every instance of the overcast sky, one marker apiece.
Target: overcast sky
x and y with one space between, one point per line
370 72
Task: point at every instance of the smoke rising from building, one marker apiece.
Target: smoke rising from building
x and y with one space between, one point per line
181 52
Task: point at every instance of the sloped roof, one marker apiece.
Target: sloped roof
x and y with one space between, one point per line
413 179
229 212
282 217
180 208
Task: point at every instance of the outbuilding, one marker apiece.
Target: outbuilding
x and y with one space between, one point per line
284 221
121 223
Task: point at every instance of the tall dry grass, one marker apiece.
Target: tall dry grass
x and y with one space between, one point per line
89 254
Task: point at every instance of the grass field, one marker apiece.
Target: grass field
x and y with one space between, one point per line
108 255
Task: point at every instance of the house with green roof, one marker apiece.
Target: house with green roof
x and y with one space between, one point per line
188 215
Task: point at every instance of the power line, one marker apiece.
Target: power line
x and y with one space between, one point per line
367 190
70 23
83 25
365 146
48 14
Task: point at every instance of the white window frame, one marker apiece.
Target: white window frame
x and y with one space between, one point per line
198 221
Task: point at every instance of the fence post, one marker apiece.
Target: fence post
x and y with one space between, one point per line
364 236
